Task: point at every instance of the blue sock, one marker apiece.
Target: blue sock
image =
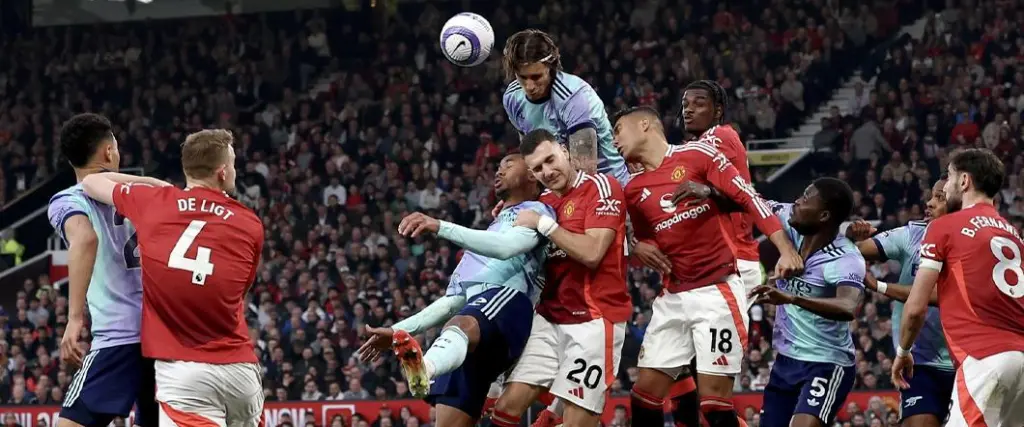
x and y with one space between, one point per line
447 352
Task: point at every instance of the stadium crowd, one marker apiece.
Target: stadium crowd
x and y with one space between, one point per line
398 129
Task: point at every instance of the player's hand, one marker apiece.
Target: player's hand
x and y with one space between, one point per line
860 230
634 167
527 218
694 191
416 223
652 257
378 342
870 281
70 352
497 208
768 294
790 264
902 370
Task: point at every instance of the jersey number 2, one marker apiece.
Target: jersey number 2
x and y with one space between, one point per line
200 266
131 246
1012 264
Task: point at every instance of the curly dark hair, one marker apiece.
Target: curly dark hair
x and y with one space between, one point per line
82 135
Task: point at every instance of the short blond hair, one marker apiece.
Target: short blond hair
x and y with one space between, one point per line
204 152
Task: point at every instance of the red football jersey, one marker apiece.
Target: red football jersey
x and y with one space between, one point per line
699 238
199 252
981 283
725 138
574 293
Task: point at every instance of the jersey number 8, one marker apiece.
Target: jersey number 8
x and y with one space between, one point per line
1012 264
200 266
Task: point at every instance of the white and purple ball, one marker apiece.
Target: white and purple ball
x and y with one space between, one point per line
467 39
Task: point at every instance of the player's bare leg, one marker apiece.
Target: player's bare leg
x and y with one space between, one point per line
716 400
64 422
807 420
514 402
449 416
576 416
922 420
685 400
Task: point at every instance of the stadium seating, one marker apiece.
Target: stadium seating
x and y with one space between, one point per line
343 127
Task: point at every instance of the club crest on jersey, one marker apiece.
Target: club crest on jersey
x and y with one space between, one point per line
678 174
569 208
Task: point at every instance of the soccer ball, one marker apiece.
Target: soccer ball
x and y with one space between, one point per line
467 39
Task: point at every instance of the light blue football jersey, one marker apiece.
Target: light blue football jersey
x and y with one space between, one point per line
903 245
801 334
524 272
573 105
115 290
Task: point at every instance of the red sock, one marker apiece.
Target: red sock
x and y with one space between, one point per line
646 410
681 387
546 398
488 405
718 412
546 418
501 419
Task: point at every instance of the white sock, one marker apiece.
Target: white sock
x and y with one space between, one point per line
447 352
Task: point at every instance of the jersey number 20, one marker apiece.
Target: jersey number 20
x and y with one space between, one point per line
200 266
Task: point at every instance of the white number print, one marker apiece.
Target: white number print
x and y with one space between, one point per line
1006 265
200 266
818 386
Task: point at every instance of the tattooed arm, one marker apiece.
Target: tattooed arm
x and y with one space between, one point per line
583 149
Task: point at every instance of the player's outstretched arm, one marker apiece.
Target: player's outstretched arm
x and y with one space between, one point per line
433 315
896 291
587 248
100 186
502 244
842 307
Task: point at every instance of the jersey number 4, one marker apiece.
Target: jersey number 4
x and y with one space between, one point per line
200 266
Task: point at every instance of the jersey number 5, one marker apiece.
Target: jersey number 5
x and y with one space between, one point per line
1007 264
200 266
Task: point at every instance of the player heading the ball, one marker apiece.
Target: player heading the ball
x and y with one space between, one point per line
542 96
200 250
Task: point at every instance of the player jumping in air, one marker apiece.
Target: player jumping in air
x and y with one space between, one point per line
974 256
542 96
499 272
578 332
200 251
103 269
701 311
813 372
703 115
926 402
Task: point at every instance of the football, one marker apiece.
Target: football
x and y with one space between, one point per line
467 39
